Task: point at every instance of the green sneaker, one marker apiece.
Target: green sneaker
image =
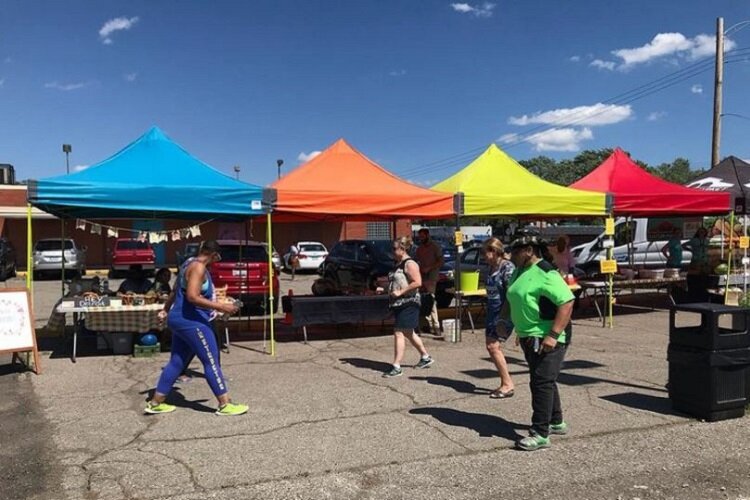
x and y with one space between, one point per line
560 429
155 409
232 410
393 372
533 443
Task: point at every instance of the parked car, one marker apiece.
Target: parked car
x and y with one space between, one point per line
128 252
243 269
48 255
357 264
311 255
7 259
646 237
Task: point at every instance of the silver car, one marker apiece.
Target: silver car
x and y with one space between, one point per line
48 257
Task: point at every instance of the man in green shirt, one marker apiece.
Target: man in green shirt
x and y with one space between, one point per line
540 304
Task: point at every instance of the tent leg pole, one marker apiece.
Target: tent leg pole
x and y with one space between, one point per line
744 257
270 280
731 256
457 283
610 295
29 259
62 255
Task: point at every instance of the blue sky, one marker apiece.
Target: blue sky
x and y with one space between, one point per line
409 83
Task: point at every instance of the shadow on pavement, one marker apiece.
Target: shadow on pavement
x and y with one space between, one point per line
461 386
481 423
656 404
176 398
367 364
576 380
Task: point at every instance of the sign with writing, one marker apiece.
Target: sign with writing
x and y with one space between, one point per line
609 226
608 266
91 301
744 242
459 236
17 324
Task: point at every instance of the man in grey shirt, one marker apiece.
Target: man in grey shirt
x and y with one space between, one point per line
430 259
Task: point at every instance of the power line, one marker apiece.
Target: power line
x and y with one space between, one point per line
629 96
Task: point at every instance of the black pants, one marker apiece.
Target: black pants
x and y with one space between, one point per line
697 287
544 369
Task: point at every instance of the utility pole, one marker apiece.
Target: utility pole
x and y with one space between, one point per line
718 82
237 172
279 163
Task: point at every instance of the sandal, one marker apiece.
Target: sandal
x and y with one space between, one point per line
498 394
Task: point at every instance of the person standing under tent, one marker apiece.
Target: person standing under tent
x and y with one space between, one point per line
698 270
563 257
404 282
672 251
498 330
540 305
294 251
189 311
430 259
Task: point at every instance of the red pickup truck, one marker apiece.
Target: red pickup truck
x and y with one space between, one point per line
130 252
243 269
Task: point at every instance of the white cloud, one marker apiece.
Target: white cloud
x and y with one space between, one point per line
131 77
608 65
305 157
575 59
114 25
656 116
397 72
697 88
79 168
425 183
508 139
65 87
480 10
560 139
595 115
671 45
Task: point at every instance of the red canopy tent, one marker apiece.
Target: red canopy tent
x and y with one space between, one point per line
343 184
640 194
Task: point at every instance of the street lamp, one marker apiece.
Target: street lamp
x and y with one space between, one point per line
237 171
279 163
67 149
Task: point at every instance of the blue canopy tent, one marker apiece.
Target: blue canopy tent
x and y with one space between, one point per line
151 178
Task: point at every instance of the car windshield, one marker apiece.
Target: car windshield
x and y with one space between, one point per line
384 249
46 245
237 253
312 248
132 245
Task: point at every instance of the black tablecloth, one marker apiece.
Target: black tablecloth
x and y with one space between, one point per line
336 310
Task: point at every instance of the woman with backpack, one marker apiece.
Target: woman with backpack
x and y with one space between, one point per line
404 283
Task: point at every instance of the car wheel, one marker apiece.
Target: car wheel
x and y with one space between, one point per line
36 275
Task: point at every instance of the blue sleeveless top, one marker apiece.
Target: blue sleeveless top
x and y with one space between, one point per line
183 310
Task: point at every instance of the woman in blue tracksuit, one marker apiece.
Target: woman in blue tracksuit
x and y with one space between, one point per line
189 311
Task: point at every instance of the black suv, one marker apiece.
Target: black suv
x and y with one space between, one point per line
357 264
7 259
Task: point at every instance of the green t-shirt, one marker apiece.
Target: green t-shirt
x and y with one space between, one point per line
534 294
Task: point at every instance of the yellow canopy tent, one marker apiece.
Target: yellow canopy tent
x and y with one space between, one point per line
496 184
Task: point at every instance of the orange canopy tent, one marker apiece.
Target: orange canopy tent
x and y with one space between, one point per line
343 184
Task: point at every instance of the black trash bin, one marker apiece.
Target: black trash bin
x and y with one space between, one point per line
711 385
709 334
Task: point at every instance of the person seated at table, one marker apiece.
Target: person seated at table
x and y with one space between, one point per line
136 282
161 281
